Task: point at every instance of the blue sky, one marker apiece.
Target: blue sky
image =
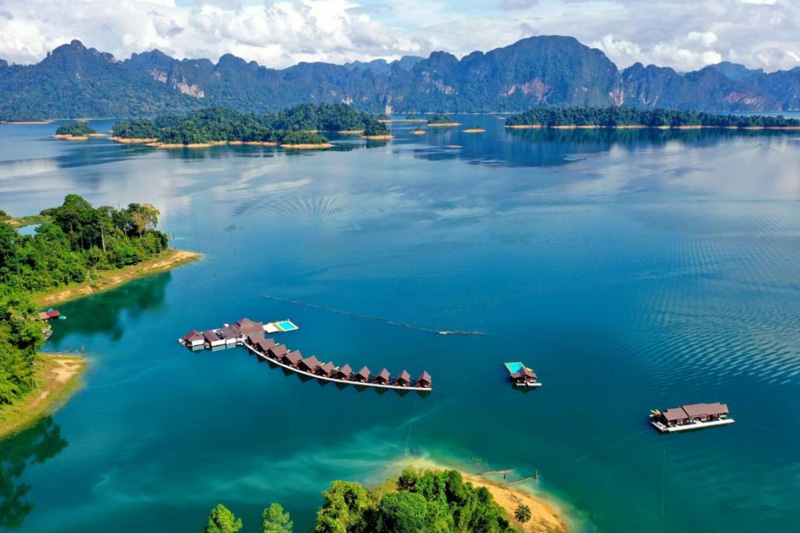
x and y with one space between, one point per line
682 34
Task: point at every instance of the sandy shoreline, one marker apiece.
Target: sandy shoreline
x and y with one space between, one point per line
546 517
306 146
109 280
443 124
377 137
57 377
474 130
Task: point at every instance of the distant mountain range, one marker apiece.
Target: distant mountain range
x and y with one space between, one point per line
75 81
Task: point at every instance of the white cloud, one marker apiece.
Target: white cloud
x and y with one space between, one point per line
759 33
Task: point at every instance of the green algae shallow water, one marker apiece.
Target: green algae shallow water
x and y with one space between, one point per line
631 270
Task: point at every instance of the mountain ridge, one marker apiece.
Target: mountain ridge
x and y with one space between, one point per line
76 81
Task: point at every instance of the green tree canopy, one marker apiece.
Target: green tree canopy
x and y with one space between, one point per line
275 520
222 520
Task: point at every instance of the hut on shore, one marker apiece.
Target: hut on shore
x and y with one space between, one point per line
383 377
362 375
403 380
424 380
344 373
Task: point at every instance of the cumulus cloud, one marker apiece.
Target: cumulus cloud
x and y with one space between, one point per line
279 33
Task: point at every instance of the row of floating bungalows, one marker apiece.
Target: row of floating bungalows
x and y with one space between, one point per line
312 365
252 334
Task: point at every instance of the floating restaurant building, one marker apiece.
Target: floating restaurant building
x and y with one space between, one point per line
692 416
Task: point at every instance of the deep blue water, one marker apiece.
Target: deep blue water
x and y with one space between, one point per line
631 271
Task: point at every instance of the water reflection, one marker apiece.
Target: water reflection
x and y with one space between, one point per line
33 446
103 312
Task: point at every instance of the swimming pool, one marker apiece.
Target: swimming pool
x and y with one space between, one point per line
514 367
286 325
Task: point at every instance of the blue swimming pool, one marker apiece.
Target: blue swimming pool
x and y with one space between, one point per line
287 326
514 367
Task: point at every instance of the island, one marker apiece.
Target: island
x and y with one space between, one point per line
75 131
625 117
293 128
420 499
377 131
442 121
76 250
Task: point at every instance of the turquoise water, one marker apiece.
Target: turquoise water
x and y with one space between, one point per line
632 271
287 326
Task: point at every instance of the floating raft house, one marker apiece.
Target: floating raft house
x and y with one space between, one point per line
522 376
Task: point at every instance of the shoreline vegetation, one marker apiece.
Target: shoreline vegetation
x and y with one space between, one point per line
75 131
425 496
107 280
627 118
57 377
294 128
75 250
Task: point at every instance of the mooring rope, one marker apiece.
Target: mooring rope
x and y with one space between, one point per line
373 318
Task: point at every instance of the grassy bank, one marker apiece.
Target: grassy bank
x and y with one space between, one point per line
57 377
105 280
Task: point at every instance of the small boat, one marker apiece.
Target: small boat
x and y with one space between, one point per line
689 417
521 375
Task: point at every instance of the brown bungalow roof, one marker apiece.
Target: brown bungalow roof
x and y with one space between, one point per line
211 336
294 357
311 362
705 409
404 376
265 344
328 368
672 415
54 313
228 332
424 377
384 374
524 373
193 336
251 327
278 351
44 316
256 336
363 373
346 370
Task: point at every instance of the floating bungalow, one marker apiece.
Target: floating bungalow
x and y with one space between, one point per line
193 339
251 335
293 358
47 316
521 375
424 380
309 364
326 370
212 340
383 377
692 416
362 375
344 373
403 380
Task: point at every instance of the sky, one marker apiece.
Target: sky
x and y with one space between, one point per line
683 34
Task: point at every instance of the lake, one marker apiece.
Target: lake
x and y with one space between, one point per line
632 271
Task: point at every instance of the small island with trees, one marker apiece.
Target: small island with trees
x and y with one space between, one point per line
625 117
441 121
75 131
76 250
431 500
296 127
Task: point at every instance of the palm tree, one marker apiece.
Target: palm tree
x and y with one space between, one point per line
523 513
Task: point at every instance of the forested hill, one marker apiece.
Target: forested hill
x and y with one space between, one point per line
74 82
